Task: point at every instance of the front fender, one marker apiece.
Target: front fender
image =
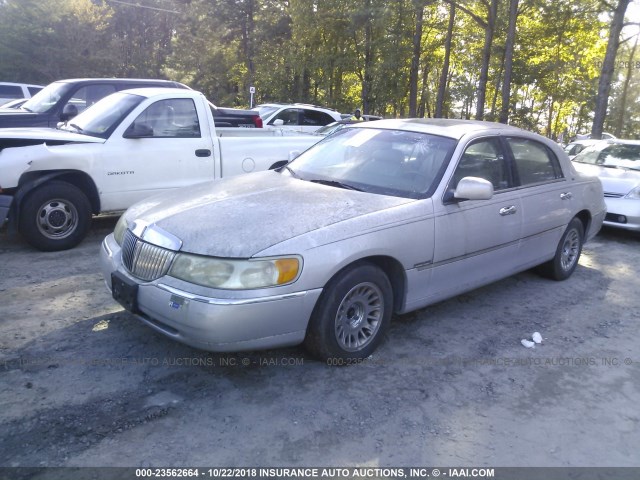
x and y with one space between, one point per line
14 162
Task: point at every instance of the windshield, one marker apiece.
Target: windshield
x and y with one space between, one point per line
386 162
47 98
613 155
101 119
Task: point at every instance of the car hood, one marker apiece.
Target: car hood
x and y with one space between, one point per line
617 181
27 135
240 216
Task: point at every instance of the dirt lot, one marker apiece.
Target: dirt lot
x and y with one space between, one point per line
84 384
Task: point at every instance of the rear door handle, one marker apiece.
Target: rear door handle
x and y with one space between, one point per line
566 196
504 211
203 152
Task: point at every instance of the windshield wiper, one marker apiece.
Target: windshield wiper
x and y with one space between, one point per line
78 129
336 183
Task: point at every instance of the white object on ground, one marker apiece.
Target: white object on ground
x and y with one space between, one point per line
537 337
527 343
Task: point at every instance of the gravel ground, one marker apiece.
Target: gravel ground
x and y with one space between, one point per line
84 384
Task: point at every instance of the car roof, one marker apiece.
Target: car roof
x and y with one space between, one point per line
118 80
446 127
587 141
621 141
154 91
12 84
300 105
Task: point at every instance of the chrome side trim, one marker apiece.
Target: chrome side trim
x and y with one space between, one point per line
224 301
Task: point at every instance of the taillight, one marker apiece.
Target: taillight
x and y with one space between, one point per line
257 120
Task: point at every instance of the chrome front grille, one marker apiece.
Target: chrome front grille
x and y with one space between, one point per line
144 260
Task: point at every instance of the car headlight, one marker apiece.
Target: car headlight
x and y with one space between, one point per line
236 274
634 194
121 227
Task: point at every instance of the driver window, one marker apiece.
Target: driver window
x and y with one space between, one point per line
289 116
483 159
173 118
84 97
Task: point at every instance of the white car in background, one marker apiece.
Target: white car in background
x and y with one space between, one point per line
13 91
297 116
575 147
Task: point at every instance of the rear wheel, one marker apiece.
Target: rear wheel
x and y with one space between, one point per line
56 216
567 254
352 315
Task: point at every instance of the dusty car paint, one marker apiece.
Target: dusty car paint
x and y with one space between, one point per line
429 245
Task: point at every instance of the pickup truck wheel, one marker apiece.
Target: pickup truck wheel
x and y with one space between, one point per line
351 316
55 216
567 254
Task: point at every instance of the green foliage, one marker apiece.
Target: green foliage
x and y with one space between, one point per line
45 40
344 54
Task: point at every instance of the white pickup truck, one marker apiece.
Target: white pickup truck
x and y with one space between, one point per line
126 147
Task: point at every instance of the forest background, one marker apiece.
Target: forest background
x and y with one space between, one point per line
548 66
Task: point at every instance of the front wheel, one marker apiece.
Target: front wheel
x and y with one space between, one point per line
56 216
352 315
567 254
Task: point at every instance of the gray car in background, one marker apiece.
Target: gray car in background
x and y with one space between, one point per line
380 218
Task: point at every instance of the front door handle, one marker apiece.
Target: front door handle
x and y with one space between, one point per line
504 211
566 196
203 152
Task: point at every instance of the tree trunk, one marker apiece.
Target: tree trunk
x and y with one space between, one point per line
444 74
486 58
606 74
625 90
415 61
508 61
367 79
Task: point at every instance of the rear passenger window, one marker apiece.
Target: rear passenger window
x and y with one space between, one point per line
313 117
535 163
484 159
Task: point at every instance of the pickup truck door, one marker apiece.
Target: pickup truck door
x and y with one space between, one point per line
165 147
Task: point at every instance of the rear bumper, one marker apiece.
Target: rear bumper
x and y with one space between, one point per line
5 206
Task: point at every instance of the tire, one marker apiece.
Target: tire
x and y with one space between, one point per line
351 316
55 216
567 254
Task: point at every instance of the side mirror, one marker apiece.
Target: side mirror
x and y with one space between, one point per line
473 188
68 112
278 122
294 154
138 130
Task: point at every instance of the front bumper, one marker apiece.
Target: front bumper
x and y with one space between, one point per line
215 324
5 206
623 213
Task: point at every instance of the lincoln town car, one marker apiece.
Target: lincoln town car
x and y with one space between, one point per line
380 218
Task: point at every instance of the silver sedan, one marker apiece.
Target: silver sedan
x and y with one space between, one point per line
381 218
617 164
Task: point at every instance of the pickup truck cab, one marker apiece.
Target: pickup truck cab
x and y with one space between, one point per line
126 147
